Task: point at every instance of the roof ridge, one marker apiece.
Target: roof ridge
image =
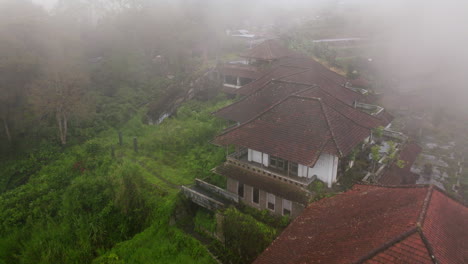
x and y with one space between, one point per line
406 186
451 196
255 117
428 246
271 70
387 245
426 202
310 86
295 82
312 164
269 49
294 73
245 97
330 128
352 120
341 101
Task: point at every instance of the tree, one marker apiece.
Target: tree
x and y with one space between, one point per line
20 48
61 92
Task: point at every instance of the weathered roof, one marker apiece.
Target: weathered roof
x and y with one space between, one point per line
360 83
277 187
240 70
375 224
274 91
273 73
396 175
298 129
329 81
254 104
385 116
305 70
268 50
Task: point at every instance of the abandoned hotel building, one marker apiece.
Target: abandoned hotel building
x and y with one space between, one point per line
295 122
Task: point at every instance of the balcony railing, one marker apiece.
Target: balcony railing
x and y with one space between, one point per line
239 159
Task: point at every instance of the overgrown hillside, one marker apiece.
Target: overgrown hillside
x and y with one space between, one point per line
84 202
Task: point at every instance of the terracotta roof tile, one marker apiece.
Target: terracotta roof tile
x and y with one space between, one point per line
240 70
446 229
274 91
254 104
374 224
307 71
410 250
298 129
344 228
273 73
267 50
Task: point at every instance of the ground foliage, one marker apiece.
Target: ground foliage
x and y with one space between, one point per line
80 204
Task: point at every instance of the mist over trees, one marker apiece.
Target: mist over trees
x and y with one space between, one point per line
85 65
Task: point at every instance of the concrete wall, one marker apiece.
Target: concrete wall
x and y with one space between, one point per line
248 191
258 157
325 168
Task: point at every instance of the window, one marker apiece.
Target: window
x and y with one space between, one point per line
255 195
273 161
230 80
271 201
240 189
278 163
287 207
293 168
244 81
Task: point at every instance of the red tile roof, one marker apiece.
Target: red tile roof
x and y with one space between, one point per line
274 91
385 116
299 129
274 73
254 104
396 175
375 224
240 70
268 50
445 227
360 83
410 250
307 71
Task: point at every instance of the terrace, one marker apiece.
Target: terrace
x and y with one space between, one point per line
240 159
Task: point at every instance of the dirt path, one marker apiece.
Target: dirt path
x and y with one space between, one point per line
157 175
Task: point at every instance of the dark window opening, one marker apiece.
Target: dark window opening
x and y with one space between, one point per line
271 201
278 163
271 206
293 168
240 190
287 207
230 80
255 195
244 81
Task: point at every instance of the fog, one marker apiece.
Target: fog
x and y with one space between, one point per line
417 38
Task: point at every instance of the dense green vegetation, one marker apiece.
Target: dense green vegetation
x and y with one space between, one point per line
84 202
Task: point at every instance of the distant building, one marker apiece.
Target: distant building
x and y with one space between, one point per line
373 224
400 175
239 73
293 142
295 124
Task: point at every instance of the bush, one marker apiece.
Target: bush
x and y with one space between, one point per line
246 237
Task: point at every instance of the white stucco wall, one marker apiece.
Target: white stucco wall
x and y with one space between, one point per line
266 159
325 168
259 157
